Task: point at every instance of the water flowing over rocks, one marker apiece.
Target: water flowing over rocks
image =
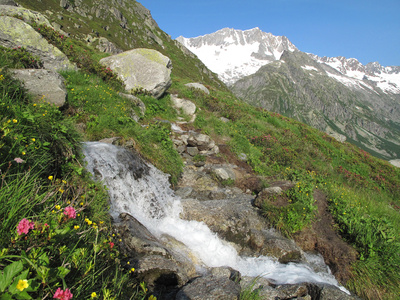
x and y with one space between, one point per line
145 69
178 266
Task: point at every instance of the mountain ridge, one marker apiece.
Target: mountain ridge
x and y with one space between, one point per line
338 95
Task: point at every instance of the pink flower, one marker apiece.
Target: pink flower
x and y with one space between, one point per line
63 295
70 212
24 226
111 245
18 160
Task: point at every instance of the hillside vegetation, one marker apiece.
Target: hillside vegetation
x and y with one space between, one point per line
56 231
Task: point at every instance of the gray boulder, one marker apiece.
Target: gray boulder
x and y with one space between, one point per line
8 2
216 285
238 222
187 107
202 141
16 33
24 14
142 69
43 84
199 86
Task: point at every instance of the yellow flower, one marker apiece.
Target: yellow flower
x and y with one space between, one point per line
33 139
76 227
61 191
132 270
34 104
22 284
50 177
23 152
63 181
152 297
15 121
93 295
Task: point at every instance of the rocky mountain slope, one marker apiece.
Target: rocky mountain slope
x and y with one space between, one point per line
233 54
340 96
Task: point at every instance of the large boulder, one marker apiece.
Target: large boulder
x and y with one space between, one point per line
16 33
236 221
142 69
8 2
43 84
27 15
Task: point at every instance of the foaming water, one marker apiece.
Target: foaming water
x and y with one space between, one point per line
143 191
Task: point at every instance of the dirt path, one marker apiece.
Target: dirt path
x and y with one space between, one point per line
323 238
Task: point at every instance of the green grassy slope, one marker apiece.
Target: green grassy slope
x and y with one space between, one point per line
362 190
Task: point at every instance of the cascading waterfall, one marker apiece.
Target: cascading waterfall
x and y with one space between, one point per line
143 191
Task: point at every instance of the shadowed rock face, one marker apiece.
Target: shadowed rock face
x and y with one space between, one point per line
142 69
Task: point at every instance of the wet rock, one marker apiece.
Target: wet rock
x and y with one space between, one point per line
211 286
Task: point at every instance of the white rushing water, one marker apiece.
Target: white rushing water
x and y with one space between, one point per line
150 200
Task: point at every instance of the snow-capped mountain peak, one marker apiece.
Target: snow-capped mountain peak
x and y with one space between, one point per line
233 54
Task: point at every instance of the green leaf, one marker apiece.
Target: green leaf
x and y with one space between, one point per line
9 273
62 272
13 288
5 296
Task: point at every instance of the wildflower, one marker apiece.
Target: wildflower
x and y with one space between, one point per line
22 284
112 245
15 121
63 181
70 212
50 177
132 270
24 226
19 160
63 295
76 227
33 139
1 77
58 207
93 295
152 297
61 191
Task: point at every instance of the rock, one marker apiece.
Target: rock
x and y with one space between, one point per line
395 162
224 173
327 292
242 157
187 107
210 287
24 14
199 86
142 69
160 267
44 85
192 151
139 103
16 33
107 46
266 194
8 2
202 141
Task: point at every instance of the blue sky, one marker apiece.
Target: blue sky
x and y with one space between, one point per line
368 30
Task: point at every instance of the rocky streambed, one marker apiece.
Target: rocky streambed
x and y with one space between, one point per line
207 239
